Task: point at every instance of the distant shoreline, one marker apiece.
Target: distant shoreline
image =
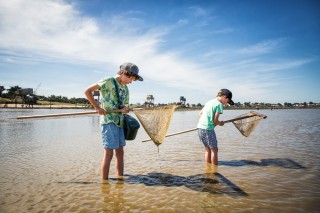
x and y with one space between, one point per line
88 107
250 108
38 106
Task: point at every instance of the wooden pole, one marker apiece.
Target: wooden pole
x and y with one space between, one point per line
176 133
56 115
240 118
63 114
71 114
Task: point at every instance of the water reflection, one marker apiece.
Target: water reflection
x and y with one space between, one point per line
279 162
113 196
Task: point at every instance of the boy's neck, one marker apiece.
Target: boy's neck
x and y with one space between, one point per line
219 98
118 78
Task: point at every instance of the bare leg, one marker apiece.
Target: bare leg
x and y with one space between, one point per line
105 165
207 155
214 156
120 161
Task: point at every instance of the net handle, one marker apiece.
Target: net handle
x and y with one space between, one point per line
70 114
176 133
248 116
236 119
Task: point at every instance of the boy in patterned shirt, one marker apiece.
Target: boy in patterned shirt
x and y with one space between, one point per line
112 123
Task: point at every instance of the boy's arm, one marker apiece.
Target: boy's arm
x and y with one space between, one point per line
200 113
89 95
216 120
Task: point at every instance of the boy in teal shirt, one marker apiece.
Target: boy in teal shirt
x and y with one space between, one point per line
209 118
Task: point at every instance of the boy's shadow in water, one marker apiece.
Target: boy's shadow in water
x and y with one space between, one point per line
214 183
279 162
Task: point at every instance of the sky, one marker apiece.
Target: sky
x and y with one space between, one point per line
262 50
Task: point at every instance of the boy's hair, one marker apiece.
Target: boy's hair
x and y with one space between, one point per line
220 94
121 72
125 72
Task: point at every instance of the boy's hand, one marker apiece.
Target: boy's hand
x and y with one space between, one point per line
100 111
125 110
221 123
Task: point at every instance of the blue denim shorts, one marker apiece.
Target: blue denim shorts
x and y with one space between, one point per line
112 136
208 138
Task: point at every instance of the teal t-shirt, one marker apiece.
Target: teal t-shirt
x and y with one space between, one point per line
208 112
109 100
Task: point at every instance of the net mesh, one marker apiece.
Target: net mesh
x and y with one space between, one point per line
156 121
247 122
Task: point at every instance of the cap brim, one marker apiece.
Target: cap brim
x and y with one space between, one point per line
231 102
139 78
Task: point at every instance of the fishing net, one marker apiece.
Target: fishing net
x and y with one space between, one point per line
156 121
247 122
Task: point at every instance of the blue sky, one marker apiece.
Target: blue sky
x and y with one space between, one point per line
262 50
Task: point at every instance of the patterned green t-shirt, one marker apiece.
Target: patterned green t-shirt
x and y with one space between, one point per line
208 112
109 100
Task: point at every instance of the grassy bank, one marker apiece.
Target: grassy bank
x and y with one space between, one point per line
7 103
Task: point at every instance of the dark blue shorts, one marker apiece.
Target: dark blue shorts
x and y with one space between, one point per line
208 138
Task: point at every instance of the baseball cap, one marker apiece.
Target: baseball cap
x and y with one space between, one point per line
131 68
228 94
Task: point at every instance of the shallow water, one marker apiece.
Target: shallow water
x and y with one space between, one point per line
53 165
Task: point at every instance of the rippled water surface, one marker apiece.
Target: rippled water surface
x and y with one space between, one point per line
53 165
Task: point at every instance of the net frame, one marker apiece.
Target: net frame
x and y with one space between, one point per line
156 121
246 123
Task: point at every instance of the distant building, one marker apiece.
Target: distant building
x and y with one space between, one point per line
96 94
26 91
183 100
150 101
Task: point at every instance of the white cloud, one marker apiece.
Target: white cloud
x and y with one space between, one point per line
182 22
198 11
258 66
225 30
262 47
53 30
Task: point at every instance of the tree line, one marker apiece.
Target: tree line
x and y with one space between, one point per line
16 92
